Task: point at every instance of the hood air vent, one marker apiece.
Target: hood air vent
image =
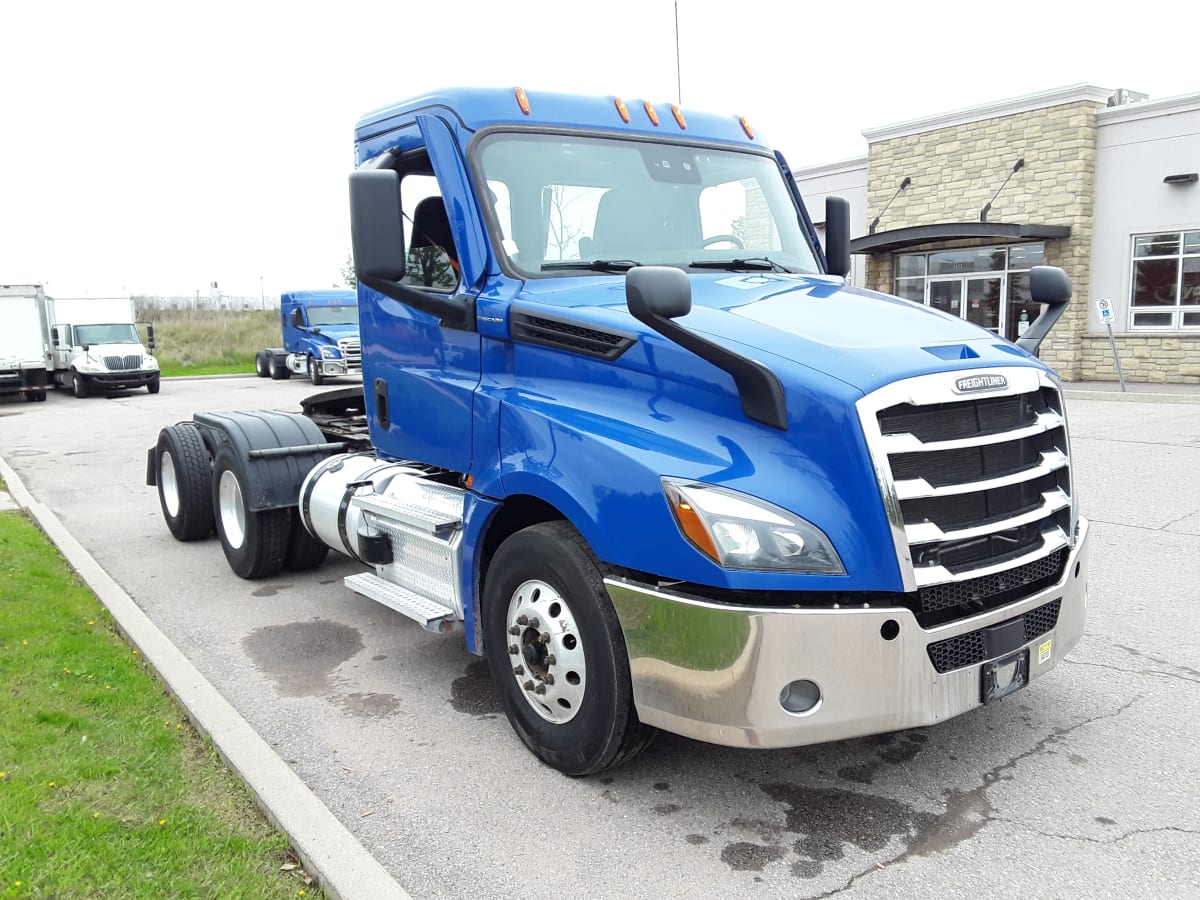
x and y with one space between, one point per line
569 336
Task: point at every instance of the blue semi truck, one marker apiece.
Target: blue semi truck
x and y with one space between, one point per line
320 337
625 424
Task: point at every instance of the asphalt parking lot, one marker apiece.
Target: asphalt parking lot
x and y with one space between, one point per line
1085 784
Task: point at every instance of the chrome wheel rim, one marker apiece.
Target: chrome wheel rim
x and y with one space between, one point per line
169 484
545 651
233 512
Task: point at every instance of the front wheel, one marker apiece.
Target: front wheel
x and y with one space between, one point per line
153 385
557 654
79 385
314 372
254 543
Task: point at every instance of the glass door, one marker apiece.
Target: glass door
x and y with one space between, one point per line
985 299
947 295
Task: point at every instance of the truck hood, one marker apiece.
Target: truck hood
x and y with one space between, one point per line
862 338
102 350
334 333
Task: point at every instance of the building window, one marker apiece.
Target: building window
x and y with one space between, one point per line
985 285
1166 280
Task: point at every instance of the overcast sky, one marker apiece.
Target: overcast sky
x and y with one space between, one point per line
157 147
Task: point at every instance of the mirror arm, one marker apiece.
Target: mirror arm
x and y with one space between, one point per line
453 312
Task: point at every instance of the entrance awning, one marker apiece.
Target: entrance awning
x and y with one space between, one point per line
900 238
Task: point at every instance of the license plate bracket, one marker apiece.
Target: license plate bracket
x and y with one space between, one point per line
1002 677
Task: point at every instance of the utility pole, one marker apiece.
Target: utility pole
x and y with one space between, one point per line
261 296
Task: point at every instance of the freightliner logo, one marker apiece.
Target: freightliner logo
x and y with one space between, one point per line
971 383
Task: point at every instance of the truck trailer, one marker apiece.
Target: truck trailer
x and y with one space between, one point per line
320 337
95 345
24 346
625 424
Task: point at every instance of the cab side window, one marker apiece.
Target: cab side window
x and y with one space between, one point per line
431 259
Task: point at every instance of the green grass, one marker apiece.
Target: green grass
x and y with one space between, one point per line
211 342
105 789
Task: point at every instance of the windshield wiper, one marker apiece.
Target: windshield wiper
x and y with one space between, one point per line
750 264
594 265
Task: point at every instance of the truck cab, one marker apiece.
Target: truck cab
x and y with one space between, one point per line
320 337
630 427
95 346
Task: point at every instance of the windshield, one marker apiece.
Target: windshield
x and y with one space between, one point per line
566 204
86 335
333 315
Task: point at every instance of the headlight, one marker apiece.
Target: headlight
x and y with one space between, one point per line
738 531
149 362
330 353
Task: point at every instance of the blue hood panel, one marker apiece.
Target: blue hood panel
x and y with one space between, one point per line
861 338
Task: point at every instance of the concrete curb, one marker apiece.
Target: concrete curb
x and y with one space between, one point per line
330 853
1130 396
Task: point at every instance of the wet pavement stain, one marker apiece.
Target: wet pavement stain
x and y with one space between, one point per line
667 808
662 786
746 857
473 692
379 657
892 749
696 839
370 706
270 590
302 656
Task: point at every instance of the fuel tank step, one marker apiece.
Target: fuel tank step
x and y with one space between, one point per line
431 615
424 517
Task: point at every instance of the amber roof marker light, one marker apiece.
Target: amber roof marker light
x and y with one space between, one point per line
651 113
622 109
746 127
679 120
522 100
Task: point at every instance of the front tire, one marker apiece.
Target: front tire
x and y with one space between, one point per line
557 654
314 372
254 543
79 385
153 385
184 482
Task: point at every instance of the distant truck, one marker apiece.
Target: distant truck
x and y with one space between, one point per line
95 345
320 337
24 345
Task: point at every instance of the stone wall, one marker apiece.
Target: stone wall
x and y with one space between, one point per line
955 170
1144 358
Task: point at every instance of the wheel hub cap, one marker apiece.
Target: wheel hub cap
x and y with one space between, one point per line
546 652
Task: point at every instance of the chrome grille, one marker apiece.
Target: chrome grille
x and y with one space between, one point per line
123 363
351 350
977 487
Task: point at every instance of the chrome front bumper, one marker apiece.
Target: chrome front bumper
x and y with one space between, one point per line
715 673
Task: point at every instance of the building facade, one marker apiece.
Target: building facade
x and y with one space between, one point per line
953 210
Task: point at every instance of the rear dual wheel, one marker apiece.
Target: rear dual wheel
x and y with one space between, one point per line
184 472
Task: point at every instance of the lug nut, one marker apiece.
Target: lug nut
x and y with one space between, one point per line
534 623
514 630
544 637
528 685
513 649
522 620
549 679
540 689
519 670
550 660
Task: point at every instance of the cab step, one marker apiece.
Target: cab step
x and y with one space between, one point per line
431 615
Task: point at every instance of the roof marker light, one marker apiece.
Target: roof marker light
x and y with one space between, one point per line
622 109
651 113
746 127
523 100
678 114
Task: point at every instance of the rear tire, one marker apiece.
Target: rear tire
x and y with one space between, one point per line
184 482
260 364
275 370
79 385
314 372
304 551
254 543
544 583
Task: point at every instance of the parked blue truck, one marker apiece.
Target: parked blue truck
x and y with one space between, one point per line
626 424
320 337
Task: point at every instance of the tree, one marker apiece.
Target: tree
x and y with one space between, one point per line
431 267
348 275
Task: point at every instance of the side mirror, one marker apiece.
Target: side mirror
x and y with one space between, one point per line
376 226
296 318
657 291
837 235
54 336
150 337
1051 286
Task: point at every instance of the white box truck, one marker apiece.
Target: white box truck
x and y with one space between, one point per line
94 345
24 347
